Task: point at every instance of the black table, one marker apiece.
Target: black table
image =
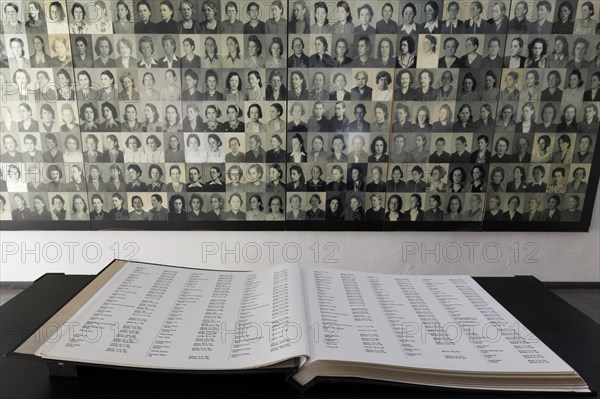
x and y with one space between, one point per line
571 334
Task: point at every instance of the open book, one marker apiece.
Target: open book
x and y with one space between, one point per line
442 331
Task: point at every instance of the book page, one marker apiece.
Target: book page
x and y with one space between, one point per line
165 317
436 322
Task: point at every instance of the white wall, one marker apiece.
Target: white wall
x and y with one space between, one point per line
550 256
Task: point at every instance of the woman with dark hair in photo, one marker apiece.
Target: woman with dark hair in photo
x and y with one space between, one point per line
124 21
565 150
385 55
490 90
66 89
485 123
118 212
458 177
134 174
547 124
379 149
365 16
502 155
474 214
580 48
276 212
196 205
497 180
477 184
256 211
297 181
297 153
211 122
167 24
117 179
211 58
577 185
254 90
428 57
193 121
415 212
471 59
211 84
590 123
40 211
564 25
155 173
586 25
537 53
39 58
216 208
420 154
233 87
171 91
543 152
422 122
78 25
506 123
254 124
235 213
573 94
79 209
436 185
454 209
416 184
533 214
215 154
568 119
321 58
407 57
405 91
464 123
426 91
27 123
95 181
276 153
469 90
298 88
321 25
276 50
519 182
444 122
177 211
335 210
98 213
434 213
344 25
512 214
355 211
276 123
109 113
552 213
275 183
315 213
113 154
233 124
593 94
253 57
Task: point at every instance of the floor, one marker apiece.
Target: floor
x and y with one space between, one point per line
587 300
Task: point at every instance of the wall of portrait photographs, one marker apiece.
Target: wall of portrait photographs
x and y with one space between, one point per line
299 114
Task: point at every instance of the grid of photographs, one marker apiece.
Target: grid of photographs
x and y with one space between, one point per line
299 114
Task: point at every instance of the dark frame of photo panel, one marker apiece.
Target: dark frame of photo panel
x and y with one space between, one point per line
300 115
